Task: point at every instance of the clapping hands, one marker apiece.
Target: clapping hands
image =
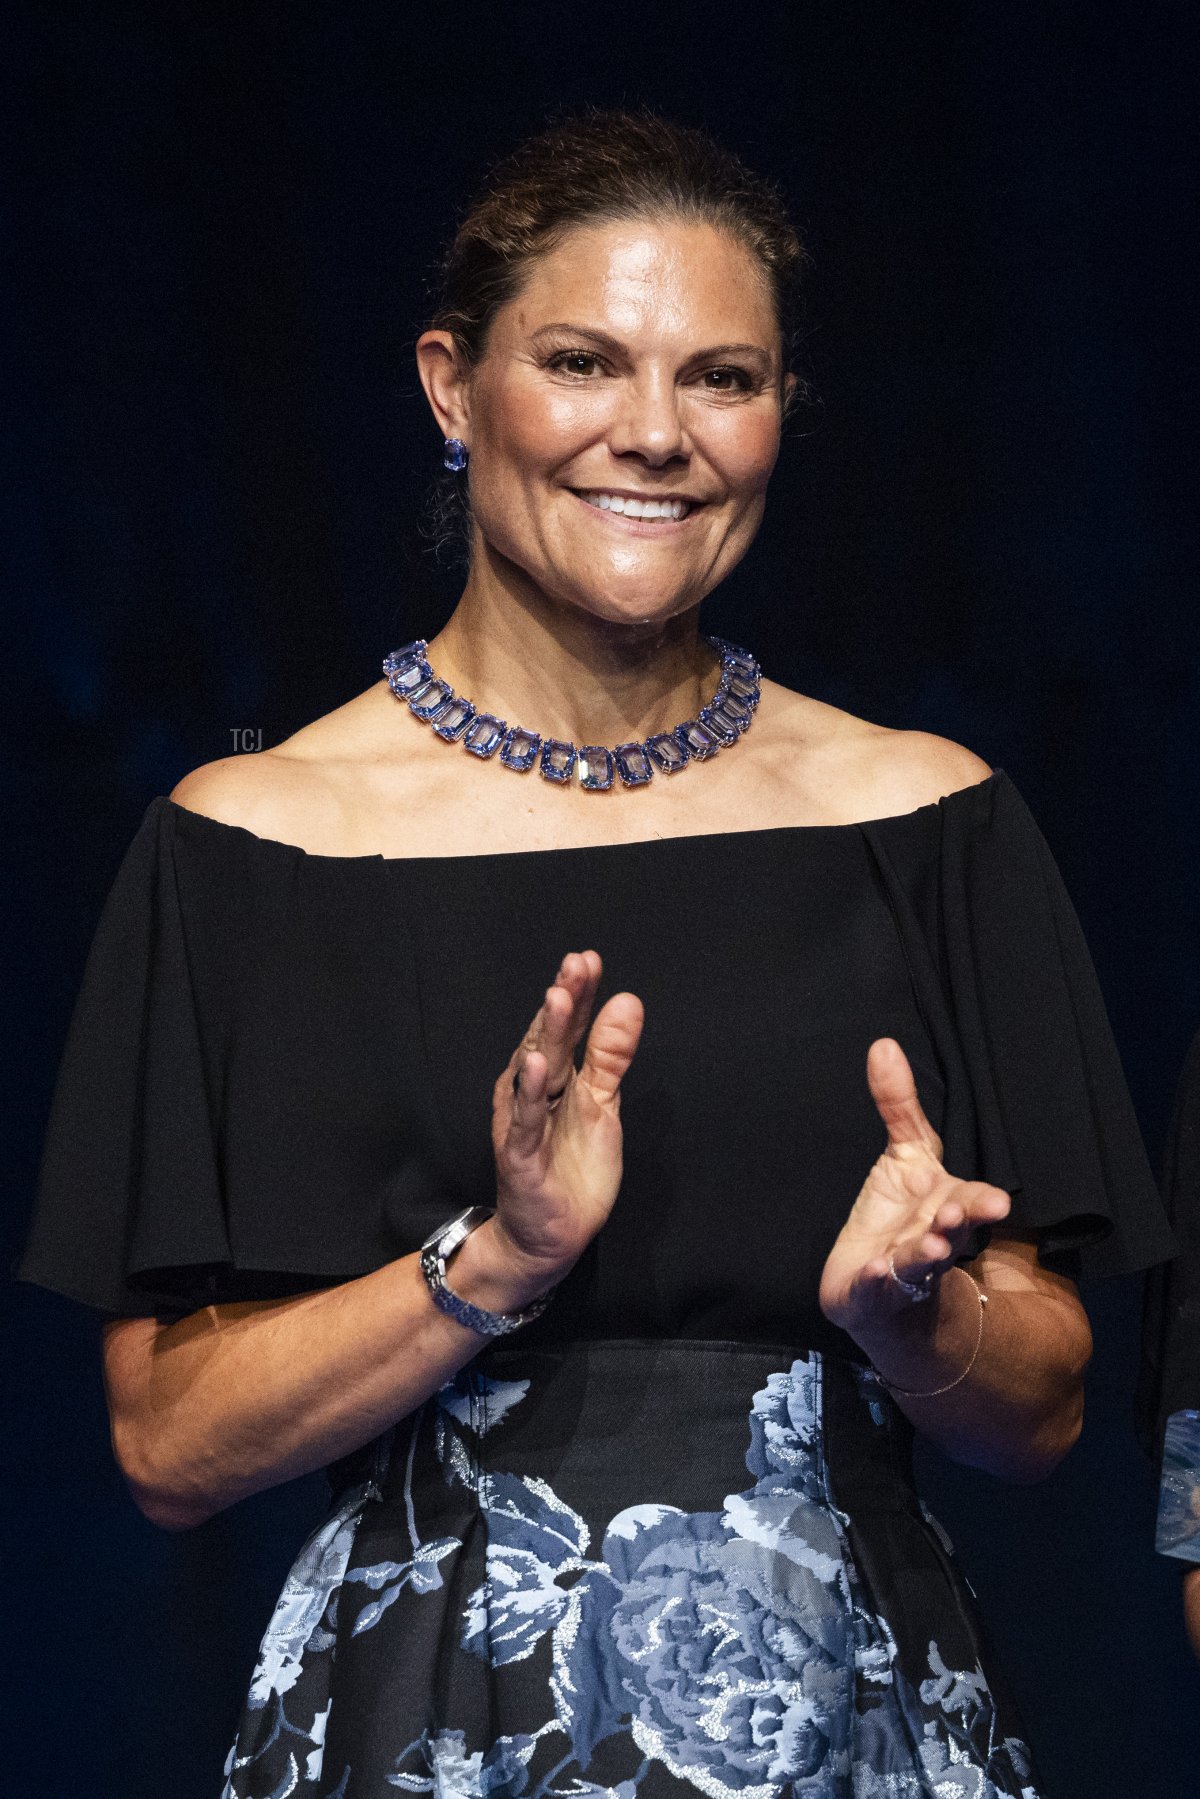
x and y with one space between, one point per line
911 1219
556 1129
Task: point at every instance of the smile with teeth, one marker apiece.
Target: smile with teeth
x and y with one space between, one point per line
622 503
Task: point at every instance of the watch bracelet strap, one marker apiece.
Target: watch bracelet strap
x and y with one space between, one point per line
476 1318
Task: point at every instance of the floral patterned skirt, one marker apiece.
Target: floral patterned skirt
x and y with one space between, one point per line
629 1569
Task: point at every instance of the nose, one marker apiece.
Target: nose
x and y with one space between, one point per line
648 424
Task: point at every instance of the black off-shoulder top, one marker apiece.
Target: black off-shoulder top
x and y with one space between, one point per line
280 1068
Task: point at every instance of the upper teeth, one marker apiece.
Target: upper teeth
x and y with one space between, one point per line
615 502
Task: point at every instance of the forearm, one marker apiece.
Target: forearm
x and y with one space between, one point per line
1020 1408
238 1398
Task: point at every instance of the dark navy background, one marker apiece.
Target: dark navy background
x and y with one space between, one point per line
216 254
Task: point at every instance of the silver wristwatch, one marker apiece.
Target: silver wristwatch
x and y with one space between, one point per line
436 1252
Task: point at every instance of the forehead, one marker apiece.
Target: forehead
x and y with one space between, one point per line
630 277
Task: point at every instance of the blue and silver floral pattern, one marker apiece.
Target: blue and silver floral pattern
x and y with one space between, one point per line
1178 1529
737 1652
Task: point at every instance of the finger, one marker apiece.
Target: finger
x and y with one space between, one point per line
567 1010
527 1116
894 1091
612 1044
548 1038
949 1232
561 1019
923 1258
875 1292
564 1016
973 1203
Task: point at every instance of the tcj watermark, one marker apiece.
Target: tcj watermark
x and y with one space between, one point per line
245 739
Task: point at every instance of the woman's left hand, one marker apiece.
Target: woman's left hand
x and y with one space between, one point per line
911 1214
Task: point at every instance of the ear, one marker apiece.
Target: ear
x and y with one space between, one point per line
445 382
789 393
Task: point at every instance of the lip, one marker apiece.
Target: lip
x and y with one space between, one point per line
640 527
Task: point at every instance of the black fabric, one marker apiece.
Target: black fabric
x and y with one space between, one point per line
1036 1097
280 1067
655 1569
1170 1371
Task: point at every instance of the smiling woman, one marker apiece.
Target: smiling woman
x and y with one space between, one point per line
686 209
307 1159
639 363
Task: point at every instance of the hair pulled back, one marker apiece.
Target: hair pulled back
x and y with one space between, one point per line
596 167
588 169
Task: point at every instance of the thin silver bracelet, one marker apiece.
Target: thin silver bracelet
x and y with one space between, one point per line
936 1392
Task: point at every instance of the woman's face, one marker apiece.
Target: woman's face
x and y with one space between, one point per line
640 366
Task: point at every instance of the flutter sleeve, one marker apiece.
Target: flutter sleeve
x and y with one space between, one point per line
1036 1100
1169 1385
129 1185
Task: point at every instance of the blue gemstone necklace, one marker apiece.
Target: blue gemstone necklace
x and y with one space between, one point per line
715 727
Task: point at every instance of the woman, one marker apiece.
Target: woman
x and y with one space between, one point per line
622 1499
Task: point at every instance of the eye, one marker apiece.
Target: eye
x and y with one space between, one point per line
726 381
580 363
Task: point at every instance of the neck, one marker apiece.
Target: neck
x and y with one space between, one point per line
564 673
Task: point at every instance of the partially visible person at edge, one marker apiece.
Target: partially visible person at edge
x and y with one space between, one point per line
1169 1391
614 1353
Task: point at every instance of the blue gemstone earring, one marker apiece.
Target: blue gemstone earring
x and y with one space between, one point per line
455 457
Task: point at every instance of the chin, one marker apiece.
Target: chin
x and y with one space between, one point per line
632 596
646 612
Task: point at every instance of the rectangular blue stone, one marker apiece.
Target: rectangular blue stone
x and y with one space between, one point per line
667 753
595 765
484 734
431 703
732 712
633 764
698 739
721 728
411 681
558 759
743 687
412 652
520 749
453 719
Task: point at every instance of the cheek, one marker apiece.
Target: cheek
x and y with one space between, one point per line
744 447
528 431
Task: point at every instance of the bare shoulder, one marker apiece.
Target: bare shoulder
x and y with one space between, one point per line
856 770
908 769
297 792
256 791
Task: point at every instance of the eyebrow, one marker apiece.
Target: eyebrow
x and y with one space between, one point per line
614 344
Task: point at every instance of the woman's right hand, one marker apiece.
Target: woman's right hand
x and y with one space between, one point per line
241 1396
556 1129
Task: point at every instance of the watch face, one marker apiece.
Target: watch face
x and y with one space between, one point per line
464 1224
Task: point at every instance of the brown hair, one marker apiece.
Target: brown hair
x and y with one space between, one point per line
586 169
599 166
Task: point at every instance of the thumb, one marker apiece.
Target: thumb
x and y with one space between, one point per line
611 1045
894 1091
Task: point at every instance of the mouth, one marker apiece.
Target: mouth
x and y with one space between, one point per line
665 509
